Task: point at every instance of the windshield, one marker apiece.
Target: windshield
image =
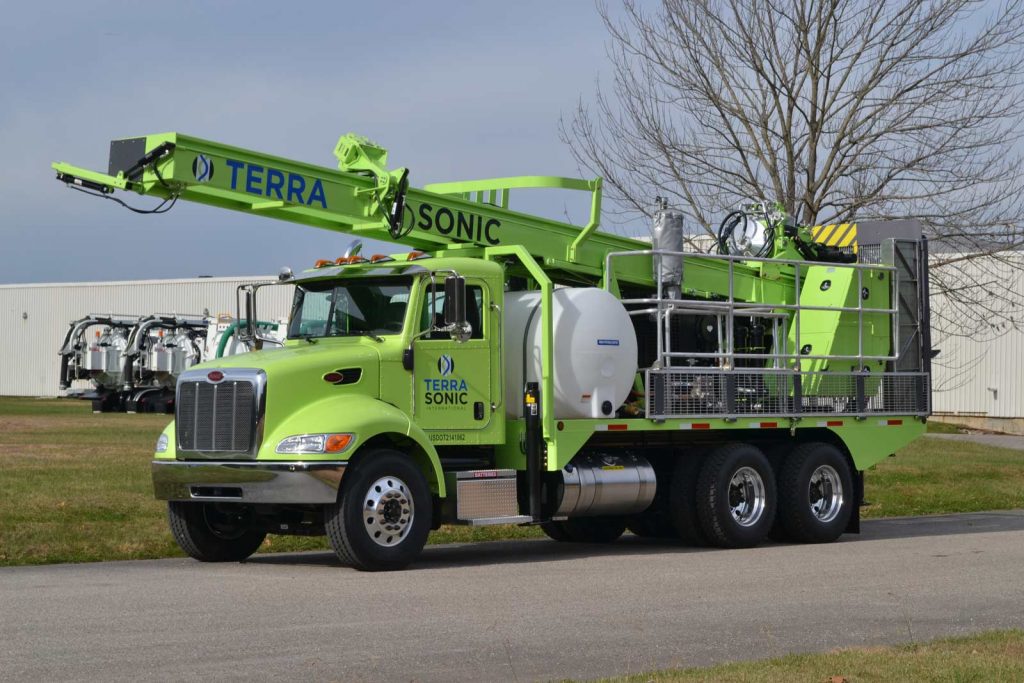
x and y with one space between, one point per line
374 306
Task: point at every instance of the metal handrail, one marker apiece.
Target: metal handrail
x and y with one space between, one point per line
730 308
865 394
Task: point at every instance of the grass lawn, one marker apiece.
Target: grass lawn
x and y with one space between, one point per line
75 487
935 476
944 428
990 657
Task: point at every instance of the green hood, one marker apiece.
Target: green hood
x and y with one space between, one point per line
295 374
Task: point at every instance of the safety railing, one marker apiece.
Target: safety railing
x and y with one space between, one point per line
710 392
728 309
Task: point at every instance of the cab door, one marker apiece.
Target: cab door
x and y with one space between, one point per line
452 381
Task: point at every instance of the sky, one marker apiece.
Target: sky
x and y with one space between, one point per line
454 91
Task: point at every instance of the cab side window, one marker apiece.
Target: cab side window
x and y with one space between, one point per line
435 312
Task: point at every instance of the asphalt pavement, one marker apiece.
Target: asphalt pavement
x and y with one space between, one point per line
511 611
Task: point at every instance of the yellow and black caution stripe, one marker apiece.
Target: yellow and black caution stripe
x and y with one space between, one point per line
836 235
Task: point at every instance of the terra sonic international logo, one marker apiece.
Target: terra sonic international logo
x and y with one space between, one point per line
445 365
202 168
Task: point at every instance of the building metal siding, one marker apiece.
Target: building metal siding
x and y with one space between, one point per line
36 316
984 376
971 377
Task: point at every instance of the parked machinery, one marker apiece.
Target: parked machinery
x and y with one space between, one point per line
134 362
99 359
160 347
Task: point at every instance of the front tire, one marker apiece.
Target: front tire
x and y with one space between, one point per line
815 494
736 496
383 514
215 532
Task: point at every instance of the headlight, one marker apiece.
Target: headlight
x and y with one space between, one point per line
162 443
315 443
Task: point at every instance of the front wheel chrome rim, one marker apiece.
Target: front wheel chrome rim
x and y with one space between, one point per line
388 511
747 496
825 493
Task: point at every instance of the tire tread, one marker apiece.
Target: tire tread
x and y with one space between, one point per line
709 494
796 523
341 530
683 502
186 524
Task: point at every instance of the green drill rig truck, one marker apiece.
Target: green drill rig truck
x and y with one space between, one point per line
517 370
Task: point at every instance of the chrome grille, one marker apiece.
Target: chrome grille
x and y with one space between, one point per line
216 418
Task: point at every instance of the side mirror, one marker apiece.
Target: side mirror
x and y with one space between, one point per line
247 324
455 308
454 300
250 313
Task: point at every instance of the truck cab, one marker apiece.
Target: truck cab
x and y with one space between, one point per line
369 364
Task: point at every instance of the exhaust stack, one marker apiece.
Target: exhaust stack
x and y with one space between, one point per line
667 235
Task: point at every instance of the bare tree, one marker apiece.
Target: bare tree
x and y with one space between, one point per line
841 109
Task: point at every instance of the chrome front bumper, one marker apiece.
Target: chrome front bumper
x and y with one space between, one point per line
248 482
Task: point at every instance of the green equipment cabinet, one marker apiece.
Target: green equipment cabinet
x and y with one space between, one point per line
512 369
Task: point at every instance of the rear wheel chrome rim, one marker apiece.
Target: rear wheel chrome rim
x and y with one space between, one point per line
747 496
825 493
388 511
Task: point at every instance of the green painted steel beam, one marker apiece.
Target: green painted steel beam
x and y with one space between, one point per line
547 337
359 198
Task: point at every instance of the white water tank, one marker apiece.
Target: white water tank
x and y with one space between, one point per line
595 354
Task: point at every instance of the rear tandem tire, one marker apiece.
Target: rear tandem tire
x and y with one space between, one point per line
215 532
656 520
652 524
736 496
383 514
683 501
815 494
585 529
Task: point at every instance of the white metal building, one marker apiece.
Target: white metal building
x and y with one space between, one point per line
36 316
978 381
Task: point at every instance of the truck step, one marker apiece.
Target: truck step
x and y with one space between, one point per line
484 497
486 521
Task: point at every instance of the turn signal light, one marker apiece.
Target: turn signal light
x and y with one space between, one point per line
337 443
